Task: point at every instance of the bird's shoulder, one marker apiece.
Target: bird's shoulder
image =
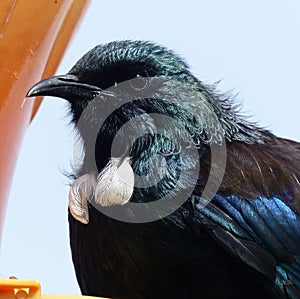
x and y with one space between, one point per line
268 169
255 215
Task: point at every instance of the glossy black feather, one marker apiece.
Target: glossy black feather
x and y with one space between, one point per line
244 243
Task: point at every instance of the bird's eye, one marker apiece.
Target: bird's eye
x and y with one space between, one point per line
138 83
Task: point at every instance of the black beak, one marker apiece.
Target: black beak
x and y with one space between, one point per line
66 86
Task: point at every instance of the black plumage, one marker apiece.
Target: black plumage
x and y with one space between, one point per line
243 243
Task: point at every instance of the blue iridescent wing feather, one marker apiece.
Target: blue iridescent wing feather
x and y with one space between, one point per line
263 233
256 214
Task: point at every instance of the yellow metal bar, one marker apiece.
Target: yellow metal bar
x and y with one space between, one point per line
29 289
68 297
19 289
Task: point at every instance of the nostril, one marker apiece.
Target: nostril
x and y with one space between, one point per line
69 78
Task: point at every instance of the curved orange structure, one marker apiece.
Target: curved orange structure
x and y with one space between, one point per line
33 37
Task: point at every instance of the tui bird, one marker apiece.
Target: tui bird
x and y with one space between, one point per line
150 130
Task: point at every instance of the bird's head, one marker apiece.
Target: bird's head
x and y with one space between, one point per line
128 79
105 66
148 78
114 84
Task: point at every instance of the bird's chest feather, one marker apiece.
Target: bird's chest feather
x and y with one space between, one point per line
172 258
125 258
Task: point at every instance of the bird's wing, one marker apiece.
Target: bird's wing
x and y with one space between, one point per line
259 227
262 233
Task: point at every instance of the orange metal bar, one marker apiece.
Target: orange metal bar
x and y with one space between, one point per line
69 23
29 289
33 37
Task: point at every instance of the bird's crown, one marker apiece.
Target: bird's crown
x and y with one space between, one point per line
118 61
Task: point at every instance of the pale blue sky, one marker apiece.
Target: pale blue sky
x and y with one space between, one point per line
253 46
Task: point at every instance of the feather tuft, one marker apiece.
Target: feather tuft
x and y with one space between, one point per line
80 193
115 183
